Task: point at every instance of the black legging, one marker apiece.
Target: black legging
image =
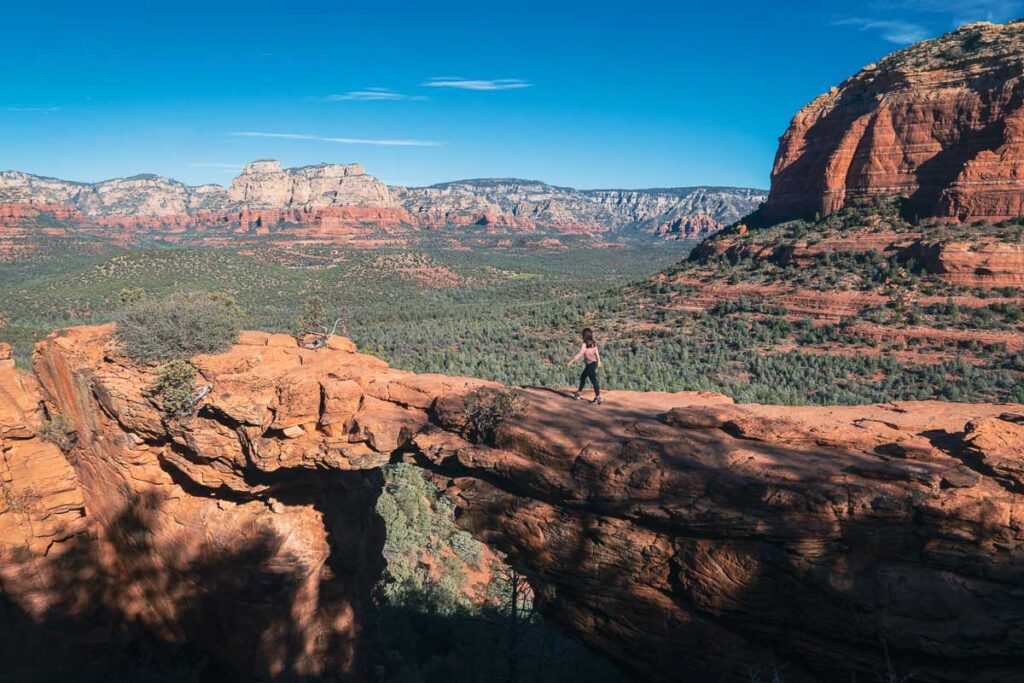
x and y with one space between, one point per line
590 372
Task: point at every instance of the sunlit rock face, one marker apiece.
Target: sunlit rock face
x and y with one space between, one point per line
265 184
680 535
940 123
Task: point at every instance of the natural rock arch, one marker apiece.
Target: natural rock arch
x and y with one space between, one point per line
678 534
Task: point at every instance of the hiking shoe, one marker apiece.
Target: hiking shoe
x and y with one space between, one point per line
597 401
576 395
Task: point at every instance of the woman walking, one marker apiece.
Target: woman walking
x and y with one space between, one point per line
591 362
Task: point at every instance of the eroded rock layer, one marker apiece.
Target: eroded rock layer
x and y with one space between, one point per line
678 534
940 123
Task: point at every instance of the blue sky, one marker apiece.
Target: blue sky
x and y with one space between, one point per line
583 93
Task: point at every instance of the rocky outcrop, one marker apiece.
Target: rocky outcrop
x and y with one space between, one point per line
939 123
984 264
679 534
11 214
266 571
688 228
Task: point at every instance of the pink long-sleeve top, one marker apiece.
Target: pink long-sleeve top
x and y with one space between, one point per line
588 354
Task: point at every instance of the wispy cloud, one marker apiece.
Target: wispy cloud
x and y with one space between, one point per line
895 31
374 95
33 110
341 141
467 84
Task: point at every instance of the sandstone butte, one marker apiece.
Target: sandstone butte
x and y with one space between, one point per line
940 123
682 536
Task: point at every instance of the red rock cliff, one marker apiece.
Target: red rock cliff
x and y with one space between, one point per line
266 570
940 123
679 534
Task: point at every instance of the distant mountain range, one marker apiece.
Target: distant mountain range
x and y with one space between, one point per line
498 202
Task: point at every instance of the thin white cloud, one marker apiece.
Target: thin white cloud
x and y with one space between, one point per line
34 110
467 84
374 95
341 141
894 31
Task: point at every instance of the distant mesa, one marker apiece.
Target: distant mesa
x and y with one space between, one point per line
265 186
940 124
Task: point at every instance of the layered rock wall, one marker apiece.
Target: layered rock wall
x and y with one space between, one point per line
939 123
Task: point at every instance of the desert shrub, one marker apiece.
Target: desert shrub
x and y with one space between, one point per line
131 295
420 524
312 319
487 408
179 326
175 386
59 431
424 605
20 502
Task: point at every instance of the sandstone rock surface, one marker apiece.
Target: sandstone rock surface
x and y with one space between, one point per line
939 123
678 534
691 536
176 539
42 505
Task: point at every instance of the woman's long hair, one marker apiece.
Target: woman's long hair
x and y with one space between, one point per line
588 337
